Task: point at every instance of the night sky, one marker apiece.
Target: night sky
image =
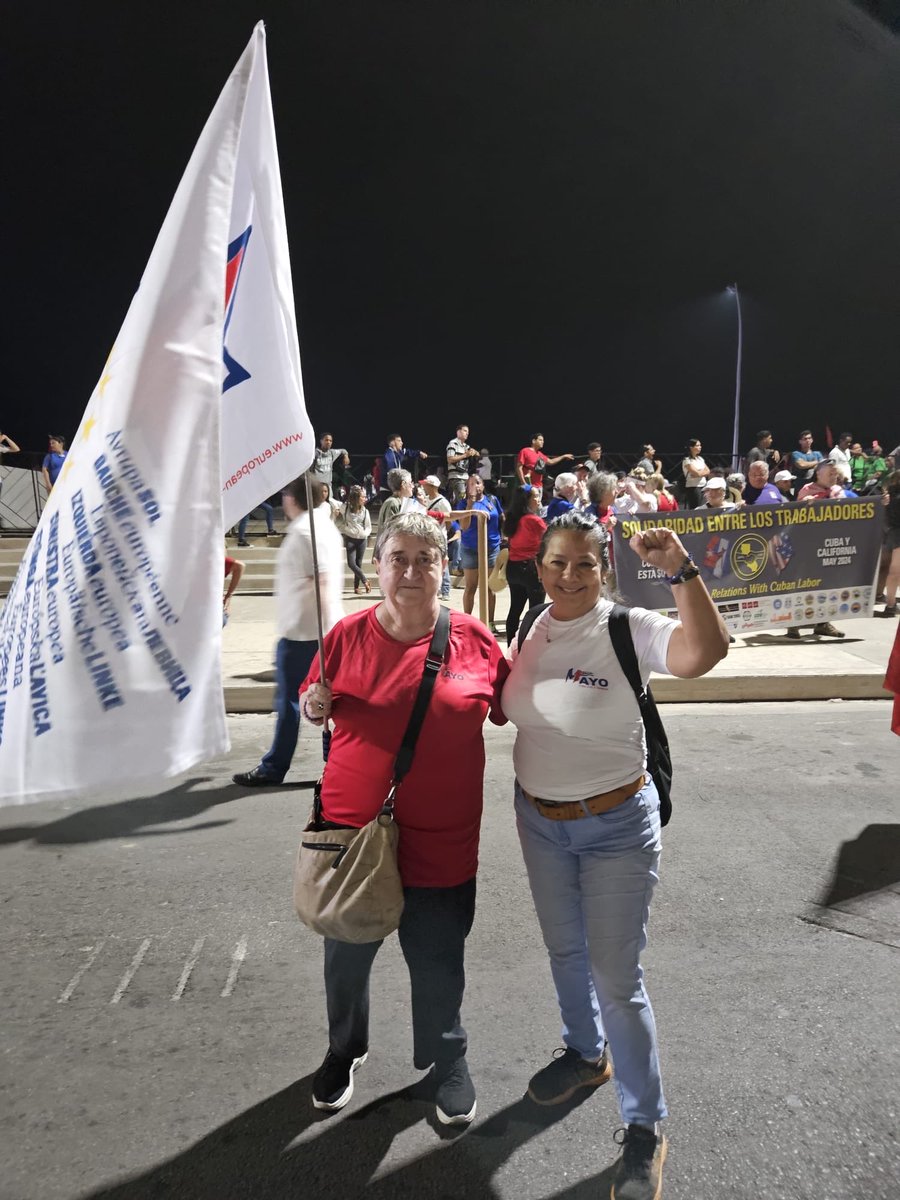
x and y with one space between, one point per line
522 214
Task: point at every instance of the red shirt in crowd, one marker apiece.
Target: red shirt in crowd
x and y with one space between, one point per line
526 459
666 503
374 681
525 541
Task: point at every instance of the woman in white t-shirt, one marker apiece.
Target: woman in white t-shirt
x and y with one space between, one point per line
588 813
695 473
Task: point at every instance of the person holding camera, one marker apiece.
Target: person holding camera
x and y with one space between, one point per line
459 463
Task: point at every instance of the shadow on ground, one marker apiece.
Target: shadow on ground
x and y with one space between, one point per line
870 863
129 818
257 1156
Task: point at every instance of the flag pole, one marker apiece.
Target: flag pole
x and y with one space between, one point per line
326 732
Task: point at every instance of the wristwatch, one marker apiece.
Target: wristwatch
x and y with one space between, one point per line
687 570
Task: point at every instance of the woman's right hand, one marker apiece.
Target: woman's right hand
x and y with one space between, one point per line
317 702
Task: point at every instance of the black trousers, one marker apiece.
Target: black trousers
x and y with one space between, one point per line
433 931
525 591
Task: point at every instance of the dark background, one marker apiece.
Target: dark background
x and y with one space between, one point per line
520 213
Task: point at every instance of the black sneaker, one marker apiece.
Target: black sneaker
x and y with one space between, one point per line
794 633
826 629
889 610
333 1082
638 1171
565 1075
256 778
454 1093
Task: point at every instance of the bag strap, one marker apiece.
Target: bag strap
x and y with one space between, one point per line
527 621
623 644
434 660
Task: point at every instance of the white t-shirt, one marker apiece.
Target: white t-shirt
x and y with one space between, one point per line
842 461
690 466
295 595
580 731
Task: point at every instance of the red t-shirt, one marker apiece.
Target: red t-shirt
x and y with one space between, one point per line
527 459
229 566
374 681
525 541
666 503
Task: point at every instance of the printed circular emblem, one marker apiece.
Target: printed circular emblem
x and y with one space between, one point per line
749 556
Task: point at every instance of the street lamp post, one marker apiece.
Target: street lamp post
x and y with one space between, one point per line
735 451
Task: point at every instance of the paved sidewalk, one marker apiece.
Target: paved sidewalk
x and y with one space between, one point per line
764 666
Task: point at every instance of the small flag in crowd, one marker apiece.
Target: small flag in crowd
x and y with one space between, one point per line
110 676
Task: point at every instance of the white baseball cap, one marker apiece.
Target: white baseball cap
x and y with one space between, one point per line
433 480
781 476
716 482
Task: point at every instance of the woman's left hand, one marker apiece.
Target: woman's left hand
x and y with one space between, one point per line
661 548
317 702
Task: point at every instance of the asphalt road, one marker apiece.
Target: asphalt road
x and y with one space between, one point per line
163 1010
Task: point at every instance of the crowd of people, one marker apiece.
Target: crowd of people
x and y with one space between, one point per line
518 508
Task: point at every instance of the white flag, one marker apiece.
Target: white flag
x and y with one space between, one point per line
110 675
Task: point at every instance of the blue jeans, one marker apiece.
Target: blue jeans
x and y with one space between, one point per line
591 882
269 515
292 663
454 553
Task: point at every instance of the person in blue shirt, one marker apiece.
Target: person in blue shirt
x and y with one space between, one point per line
53 461
803 461
395 456
479 500
565 488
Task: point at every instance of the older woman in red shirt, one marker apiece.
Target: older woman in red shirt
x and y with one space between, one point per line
524 530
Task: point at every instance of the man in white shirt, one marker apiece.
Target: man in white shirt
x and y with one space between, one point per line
436 503
841 459
295 619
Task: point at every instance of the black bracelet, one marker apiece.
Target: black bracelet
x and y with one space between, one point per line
688 570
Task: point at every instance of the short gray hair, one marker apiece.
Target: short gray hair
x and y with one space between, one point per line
397 477
416 525
601 483
563 480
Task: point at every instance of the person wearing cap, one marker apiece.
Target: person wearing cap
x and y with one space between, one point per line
634 496
758 489
823 485
714 495
784 481
435 503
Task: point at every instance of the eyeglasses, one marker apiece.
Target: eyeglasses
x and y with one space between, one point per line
422 562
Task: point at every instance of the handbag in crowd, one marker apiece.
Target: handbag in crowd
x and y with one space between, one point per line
497 577
346 881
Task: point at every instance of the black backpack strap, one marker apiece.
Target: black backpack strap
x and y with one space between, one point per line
527 621
620 636
659 757
434 660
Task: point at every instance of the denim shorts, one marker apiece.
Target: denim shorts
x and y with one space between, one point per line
469 558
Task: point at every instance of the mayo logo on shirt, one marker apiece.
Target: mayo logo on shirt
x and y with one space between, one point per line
585 678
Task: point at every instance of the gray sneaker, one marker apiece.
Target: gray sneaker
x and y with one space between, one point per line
565 1075
638 1171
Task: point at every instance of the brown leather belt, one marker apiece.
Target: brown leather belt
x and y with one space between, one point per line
571 810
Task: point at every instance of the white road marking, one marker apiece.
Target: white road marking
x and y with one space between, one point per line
240 952
131 972
73 982
189 965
